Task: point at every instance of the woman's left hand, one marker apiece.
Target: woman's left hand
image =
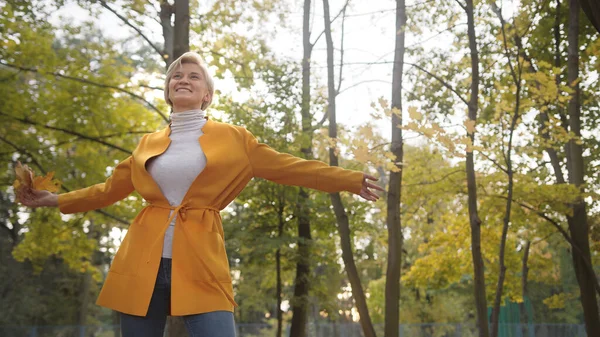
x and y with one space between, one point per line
366 191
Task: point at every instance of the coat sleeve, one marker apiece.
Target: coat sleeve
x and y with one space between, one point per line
286 169
116 187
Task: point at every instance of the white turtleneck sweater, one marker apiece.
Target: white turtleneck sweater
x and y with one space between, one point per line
176 169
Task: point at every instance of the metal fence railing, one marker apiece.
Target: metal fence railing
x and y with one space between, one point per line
320 330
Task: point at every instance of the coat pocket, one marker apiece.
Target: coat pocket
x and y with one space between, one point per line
131 252
209 247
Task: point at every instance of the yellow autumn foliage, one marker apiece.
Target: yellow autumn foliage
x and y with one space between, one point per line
25 178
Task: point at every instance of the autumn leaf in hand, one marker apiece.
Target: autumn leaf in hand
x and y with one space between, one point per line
46 183
26 179
24 176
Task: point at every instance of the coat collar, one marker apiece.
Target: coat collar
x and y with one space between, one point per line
158 142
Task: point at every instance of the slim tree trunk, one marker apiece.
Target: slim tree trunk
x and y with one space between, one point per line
84 298
394 226
524 275
302 282
578 223
181 43
591 8
340 212
516 77
116 322
474 220
279 289
166 12
502 266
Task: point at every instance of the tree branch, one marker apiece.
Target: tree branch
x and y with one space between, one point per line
343 10
82 80
74 133
362 82
433 181
150 87
495 162
564 234
464 7
124 19
44 172
444 83
337 91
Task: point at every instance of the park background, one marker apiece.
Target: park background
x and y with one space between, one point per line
479 117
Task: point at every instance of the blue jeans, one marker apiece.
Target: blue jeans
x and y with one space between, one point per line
211 324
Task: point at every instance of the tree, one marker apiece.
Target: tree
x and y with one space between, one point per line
578 220
336 200
301 285
394 197
474 220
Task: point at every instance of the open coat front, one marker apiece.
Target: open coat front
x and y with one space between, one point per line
201 281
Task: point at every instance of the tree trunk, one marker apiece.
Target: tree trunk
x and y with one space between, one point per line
591 8
181 43
340 212
84 298
116 321
578 223
175 327
394 196
474 220
166 11
302 282
524 275
516 77
279 289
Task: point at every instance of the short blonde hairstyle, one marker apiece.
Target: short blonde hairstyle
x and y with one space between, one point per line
194 58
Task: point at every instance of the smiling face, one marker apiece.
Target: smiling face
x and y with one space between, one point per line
188 88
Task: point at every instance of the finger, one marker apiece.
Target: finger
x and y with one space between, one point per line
375 187
369 196
373 195
370 177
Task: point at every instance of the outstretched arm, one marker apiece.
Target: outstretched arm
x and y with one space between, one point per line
116 187
286 169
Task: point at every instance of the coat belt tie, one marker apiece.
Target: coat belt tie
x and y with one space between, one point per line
181 210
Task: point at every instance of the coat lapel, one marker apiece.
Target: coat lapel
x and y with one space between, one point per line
157 144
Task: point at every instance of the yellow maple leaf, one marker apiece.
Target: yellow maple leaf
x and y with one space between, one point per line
414 114
25 178
46 183
24 175
470 125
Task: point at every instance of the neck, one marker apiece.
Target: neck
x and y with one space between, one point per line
183 121
180 108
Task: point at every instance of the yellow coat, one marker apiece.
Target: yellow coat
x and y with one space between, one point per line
201 281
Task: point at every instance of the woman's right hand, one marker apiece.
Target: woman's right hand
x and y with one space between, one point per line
36 198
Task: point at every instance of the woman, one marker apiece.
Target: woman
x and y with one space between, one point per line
172 260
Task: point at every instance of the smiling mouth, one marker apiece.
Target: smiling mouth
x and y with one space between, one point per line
180 89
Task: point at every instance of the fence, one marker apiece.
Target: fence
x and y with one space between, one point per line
320 330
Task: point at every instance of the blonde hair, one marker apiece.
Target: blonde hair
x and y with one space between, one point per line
194 58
